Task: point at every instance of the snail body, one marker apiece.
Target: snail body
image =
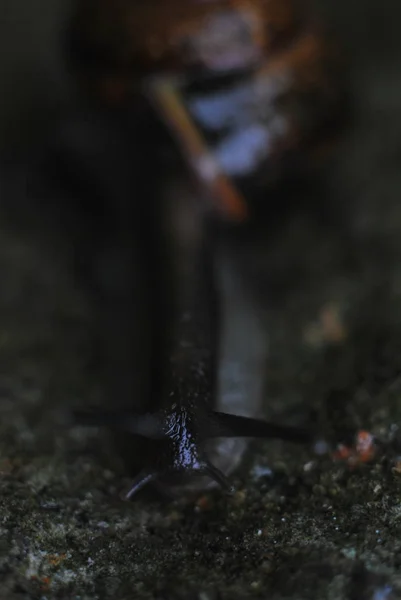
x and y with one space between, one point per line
206 352
244 91
180 335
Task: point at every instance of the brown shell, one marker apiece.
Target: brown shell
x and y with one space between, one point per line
278 44
157 34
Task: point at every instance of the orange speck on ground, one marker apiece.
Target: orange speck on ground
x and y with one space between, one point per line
342 452
204 503
329 327
45 583
56 559
363 451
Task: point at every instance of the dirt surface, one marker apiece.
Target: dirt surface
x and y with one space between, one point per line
305 523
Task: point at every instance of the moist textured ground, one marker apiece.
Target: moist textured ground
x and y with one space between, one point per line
302 525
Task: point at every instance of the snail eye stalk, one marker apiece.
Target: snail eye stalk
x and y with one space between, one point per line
140 482
183 431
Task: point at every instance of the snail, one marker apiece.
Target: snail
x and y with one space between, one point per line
241 93
184 416
188 358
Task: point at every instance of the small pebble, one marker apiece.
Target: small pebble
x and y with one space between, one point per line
255 585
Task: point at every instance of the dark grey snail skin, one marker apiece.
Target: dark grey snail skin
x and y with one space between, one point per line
240 344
